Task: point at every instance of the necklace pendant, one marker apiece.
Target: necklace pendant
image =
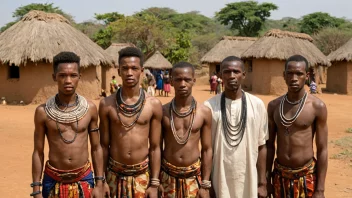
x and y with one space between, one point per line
287 131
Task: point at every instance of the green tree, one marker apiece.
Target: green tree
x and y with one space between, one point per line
104 37
109 17
89 28
180 50
46 7
330 39
247 17
314 22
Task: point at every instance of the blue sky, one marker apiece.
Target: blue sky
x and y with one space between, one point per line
84 10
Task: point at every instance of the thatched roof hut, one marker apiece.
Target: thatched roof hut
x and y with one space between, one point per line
114 48
339 75
278 44
39 36
269 53
26 52
228 46
157 61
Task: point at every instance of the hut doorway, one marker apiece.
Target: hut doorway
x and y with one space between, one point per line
217 69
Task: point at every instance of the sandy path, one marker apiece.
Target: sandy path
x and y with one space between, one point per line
16 144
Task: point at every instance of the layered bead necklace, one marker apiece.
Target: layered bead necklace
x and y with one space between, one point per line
52 109
233 133
192 110
129 110
287 122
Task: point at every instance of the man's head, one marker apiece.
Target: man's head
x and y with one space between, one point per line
182 78
296 73
66 72
232 73
130 66
113 77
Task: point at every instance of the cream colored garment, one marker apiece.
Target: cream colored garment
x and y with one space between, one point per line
234 173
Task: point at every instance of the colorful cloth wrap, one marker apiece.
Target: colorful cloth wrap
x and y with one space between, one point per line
294 183
180 182
77 183
127 181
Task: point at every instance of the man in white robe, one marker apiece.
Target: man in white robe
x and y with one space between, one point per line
238 171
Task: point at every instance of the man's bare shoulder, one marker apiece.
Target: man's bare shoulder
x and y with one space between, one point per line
40 114
317 103
40 109
166 108
107 101
91 104
153 101
275 103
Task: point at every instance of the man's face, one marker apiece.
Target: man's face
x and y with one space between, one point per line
232 75
67 77
295 75
130 70
182 79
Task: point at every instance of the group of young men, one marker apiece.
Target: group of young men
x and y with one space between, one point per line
223 148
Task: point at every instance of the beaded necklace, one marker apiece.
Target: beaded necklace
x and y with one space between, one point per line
233 133
129 110
63 116
192 110
287 122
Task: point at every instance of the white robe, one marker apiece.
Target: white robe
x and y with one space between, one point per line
234 173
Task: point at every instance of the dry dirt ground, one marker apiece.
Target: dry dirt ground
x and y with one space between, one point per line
16 144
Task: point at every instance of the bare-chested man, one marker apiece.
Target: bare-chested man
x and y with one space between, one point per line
294 119
129 120
67 119
185 124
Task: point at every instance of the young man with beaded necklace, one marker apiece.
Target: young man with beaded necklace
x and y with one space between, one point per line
185 124
294 119
130 125
67 120
239 133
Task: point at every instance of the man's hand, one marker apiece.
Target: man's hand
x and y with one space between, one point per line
203 193
262 192
97 191
106 191
270 189
151 192
318 194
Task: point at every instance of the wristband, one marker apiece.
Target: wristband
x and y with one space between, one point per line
154 182
35 193
102 178
36 184
206 184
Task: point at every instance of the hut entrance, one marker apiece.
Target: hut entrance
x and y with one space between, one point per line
13 71
217 69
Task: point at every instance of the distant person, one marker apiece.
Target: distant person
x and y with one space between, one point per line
186 124
213 83
167 86
159 82
67 120
113 85
219 85
313 87
294 119
239 133
151 84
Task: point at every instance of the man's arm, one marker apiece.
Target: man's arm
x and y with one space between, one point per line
207 151
96 150
270 143
322 144
39 140
104 132
155 138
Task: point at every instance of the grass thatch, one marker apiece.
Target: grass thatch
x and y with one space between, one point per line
278 44
228 46
157 61
114 48
39 36
344 53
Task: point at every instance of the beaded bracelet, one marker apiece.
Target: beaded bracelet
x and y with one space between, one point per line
93 130
35 193
206 184
36 184
154 182
102 178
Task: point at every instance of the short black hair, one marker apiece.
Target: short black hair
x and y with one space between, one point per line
113 77
183 64
297 58
131 51
65 57
231 59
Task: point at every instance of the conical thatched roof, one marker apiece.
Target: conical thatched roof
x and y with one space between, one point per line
278 44
228 46
157 61
114 48
344 53
39 36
